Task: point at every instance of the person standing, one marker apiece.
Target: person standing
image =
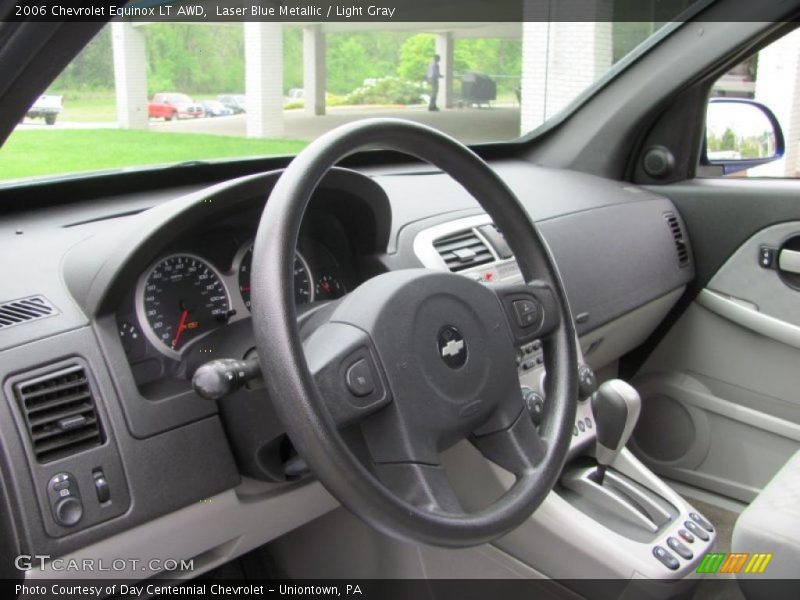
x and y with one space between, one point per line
433 79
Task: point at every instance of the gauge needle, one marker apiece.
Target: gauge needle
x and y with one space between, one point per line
325 286
181 327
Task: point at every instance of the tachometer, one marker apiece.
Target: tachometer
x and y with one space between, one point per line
180 299
303 285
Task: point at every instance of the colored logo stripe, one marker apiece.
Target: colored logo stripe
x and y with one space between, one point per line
720 562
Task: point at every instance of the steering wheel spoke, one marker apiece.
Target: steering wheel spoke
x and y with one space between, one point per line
347 372
531 310
425 486
518 449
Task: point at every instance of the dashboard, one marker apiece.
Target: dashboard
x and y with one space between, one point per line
144 288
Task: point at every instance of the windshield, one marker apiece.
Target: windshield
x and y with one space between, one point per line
138 94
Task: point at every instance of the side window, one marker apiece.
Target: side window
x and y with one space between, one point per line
753 115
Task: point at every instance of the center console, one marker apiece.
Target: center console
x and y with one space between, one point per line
609 517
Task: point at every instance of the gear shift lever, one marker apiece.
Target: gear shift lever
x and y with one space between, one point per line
616 406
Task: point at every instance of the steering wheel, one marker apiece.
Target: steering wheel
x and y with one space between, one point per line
417 359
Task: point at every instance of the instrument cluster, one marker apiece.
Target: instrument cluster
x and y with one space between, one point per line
185 296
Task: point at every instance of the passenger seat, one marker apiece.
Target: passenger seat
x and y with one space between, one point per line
771 525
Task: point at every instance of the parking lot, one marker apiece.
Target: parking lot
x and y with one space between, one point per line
496 123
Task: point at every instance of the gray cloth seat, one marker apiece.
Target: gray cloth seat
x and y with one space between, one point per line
771 525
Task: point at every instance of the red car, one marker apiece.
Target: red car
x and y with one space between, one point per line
170 106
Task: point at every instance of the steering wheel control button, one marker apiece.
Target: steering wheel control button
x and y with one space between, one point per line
587 381
65 499
687 537
452 347
698 518
535 404
359 378
666 558
697 530
527 312
679 548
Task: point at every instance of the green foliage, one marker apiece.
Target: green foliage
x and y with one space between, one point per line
92 71
194 59
415 54
387 90
209 59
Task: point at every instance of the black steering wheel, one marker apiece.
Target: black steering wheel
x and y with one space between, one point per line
417 359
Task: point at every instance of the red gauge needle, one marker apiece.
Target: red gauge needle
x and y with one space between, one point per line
181 327
325 286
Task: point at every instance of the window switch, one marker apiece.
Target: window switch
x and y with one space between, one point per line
101 487
766 257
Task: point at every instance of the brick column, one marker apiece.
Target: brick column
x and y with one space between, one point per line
559 61
130 75
444 48
778 87
314 70
263 55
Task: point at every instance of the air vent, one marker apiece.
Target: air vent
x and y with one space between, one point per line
463 250
681 246
15 312
60 414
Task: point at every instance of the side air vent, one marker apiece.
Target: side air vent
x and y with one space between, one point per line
59 412
677 235
463 250
15 312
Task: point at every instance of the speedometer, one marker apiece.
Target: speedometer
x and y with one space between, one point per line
303 285
179 300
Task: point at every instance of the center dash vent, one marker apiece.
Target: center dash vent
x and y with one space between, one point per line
15 312
59 412
681 247
463 250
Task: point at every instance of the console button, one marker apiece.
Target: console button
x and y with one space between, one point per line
697 530
588 422
535 404
68 511
101 487
679 547
526 312
687 537
581 426
359 378
666 558
697 518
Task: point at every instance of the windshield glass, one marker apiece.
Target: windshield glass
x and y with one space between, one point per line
138 94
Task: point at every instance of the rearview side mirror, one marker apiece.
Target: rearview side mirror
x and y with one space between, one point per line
741 134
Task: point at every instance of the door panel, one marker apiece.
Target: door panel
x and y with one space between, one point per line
721 390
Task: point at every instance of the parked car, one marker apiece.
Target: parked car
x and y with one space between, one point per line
236 102
295 94
170 106
46 107
215 108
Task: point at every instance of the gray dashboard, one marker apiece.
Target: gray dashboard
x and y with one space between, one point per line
618 248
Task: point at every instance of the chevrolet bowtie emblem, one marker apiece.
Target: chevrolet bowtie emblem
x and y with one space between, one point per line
452 347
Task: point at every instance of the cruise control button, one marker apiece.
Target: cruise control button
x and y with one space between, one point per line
666 558
679 547
697 530
359 378
526 312
697 518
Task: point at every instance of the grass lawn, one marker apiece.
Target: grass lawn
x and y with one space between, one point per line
50 152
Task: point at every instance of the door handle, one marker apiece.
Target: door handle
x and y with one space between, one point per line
789 261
